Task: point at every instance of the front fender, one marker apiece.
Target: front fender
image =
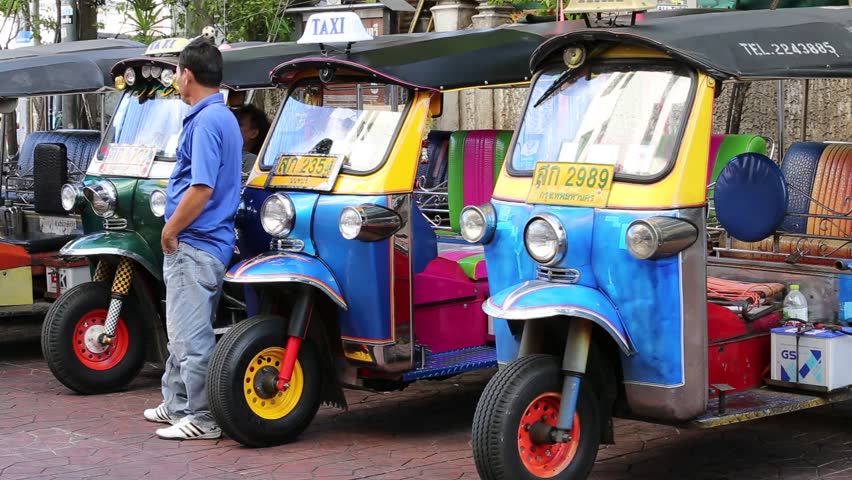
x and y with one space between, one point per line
124 244
288 267
539 299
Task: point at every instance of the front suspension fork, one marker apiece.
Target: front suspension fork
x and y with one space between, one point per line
297 330
120 290
573 368
574 361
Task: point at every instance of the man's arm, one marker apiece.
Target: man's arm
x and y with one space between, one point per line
189 208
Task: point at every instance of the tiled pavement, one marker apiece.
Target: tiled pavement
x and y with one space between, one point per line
420 433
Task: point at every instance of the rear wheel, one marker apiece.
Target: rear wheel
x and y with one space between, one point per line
69 340
523 397
241 384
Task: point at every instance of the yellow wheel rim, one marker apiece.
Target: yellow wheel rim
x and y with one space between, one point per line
282 403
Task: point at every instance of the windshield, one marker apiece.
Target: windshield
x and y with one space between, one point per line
146 120
355 120
606 114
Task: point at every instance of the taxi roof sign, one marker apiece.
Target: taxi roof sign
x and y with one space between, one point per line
332 28
167 46
596 6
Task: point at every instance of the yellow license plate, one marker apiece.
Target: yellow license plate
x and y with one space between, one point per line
308 172
574 184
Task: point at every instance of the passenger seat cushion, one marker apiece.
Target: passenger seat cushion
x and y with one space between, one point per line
475 160
434 171
731 146
80 145
715 143
471 262
832 187
799 167
750 197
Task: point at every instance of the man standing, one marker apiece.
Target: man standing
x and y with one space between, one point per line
198 241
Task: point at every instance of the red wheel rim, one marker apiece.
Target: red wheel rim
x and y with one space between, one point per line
90 353
546 460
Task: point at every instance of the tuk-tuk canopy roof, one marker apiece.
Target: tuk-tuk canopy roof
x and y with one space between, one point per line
63 68
443 61
251 66
743 45
246 65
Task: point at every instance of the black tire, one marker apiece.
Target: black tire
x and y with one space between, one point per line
226 384
58 340
498 417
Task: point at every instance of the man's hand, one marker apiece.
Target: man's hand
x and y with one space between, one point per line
187 211
168 240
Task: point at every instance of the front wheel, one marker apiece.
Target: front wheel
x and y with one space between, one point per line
241 384
524 393
69 340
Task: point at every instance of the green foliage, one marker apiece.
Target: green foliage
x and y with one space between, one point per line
146 18
240 20
249 20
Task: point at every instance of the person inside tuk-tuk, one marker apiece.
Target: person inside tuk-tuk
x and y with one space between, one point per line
253 126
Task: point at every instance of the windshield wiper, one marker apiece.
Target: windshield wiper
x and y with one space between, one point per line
555 86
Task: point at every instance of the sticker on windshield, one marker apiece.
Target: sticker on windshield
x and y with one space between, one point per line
573 184
305 172
128 160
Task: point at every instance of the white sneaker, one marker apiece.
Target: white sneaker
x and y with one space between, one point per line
160 415
187 429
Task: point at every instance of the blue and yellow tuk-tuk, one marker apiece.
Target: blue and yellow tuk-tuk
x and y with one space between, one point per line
33 224
355 285
97 335
615 294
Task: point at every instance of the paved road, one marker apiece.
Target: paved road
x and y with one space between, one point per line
420 433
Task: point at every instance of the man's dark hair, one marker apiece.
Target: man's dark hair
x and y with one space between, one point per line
204 61
258 121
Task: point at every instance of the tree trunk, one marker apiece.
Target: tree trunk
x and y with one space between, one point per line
11 134
57 35
87 20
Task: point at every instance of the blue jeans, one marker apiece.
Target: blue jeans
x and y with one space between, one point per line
193 285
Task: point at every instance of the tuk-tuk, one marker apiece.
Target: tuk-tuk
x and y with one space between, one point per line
33 225
97 335
355 287
616 295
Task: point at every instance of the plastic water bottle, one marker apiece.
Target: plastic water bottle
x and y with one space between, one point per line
795 305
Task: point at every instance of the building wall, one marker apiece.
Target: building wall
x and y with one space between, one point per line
829 115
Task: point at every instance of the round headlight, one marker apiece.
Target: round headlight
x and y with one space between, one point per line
277 215
156 70
146 71
69 195
167 77
642 240
351 223
103 198
130 76
158 203
544 239
477 223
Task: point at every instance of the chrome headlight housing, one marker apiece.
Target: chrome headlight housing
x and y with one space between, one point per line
130 76
659 237
158 203
70 195
167 77
544 239
368 223
103 197
477 223
278 215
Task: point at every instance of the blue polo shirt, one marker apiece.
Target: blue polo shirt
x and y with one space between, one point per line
209 153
